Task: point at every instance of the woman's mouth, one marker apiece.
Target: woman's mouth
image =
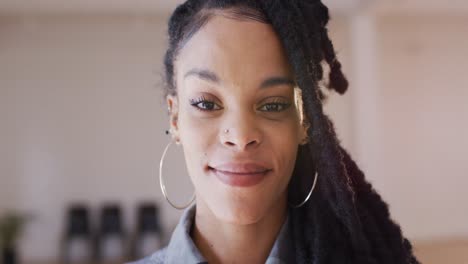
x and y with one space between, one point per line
240 174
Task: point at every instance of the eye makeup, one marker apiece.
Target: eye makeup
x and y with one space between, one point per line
273 104
203 104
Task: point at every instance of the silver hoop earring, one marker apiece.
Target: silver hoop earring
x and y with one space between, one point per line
308 195
163 187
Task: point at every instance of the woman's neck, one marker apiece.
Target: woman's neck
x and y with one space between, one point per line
221 242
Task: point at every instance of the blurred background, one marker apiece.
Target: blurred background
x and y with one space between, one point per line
82 120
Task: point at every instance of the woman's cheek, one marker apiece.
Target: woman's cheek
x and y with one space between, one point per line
194 134
197 133
285 132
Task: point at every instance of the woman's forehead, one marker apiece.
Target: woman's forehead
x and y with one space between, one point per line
234 48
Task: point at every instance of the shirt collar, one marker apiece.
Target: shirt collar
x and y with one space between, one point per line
283 248
182 249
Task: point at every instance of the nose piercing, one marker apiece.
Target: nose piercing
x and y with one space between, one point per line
226 131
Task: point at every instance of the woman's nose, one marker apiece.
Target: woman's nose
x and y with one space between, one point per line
242 134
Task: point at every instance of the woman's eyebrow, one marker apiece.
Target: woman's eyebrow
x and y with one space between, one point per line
203 74
273 81
212 77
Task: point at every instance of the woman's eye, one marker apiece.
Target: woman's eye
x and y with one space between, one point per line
204 105
274 107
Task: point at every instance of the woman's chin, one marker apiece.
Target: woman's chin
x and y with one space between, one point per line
240 217
242 206
239 213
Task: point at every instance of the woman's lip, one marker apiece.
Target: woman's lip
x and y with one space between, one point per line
241 168
240 179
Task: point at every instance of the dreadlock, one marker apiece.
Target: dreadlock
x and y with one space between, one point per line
348 221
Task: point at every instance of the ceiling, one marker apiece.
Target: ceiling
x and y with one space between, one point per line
119 6
135 7
445 7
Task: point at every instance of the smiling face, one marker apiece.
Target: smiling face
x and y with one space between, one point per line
233 74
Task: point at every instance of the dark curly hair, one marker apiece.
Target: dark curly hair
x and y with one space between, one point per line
347 220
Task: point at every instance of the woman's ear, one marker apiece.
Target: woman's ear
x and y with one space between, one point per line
173 109
304 138
304 128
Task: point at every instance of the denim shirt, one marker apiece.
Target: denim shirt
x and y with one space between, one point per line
182 249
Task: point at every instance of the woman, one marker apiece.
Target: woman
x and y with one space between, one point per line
272 183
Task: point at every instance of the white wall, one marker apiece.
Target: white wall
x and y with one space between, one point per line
82 115
82 119
424 112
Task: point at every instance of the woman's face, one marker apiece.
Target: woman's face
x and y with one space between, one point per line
234 75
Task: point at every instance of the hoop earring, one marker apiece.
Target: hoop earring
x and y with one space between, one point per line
163 187
308 195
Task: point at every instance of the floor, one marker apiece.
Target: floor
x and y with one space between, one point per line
442 252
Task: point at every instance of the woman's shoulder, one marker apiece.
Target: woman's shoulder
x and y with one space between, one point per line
157 257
